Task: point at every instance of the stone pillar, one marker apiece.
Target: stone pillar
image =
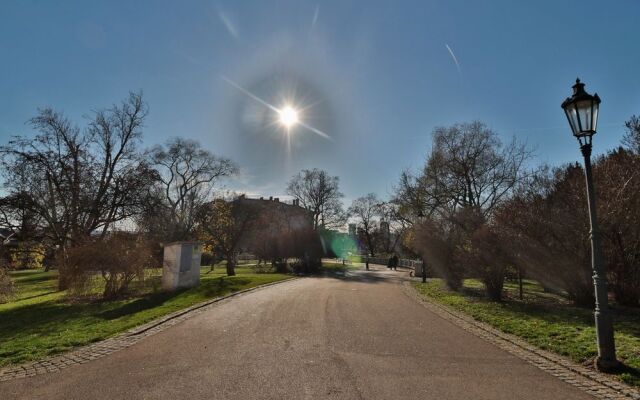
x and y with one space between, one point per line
417 268
181 265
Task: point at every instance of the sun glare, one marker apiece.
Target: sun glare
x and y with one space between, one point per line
288 116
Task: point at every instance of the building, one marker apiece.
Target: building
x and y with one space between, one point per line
274 227
352 230
275 213
384 228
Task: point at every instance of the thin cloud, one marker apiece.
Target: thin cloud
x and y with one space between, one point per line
226 21
315 16
455 60
314 20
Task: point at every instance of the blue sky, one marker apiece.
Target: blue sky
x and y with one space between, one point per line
377 75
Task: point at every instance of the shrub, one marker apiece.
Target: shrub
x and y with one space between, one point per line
488 260
119 259
27 256
6 284
436 242
618 184
208 259
547 230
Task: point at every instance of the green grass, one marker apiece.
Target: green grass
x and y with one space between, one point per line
41 321
336 267
545 320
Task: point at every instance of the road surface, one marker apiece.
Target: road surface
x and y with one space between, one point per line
314 338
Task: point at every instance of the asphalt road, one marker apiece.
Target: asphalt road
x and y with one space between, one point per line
313 338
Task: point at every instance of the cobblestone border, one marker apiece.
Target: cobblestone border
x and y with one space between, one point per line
595 383
123 340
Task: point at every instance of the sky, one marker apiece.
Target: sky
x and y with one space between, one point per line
375 76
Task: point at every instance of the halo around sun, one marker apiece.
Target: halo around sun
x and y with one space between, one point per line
288 116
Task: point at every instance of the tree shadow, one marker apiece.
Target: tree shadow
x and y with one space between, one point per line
223 285
364 278
141 304
33 279
41 318
37 295
348 274
628 374
625 321
474 292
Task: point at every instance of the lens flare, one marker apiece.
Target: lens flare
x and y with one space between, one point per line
288 115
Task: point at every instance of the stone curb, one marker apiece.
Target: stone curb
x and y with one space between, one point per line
123 340
593 382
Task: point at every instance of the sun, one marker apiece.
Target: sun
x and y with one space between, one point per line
288 116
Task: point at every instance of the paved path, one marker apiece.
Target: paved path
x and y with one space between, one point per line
314 338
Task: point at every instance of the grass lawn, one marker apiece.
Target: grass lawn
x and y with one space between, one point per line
42 321
546 320
336 267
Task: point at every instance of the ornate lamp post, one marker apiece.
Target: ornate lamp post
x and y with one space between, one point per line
424 264
582 112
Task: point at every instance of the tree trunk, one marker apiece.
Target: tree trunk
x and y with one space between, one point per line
231 265
520 283
63 278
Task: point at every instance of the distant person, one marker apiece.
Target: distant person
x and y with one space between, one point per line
394 262
390 263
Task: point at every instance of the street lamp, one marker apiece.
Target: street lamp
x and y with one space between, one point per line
582 112
424 264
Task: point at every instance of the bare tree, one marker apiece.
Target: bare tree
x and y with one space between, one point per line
471 167
17 216
80 182
631 137
186 177
389 212
469 173
318 192
365 211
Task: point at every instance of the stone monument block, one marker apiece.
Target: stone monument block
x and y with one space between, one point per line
181 265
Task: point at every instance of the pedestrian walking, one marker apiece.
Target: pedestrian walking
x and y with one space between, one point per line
394 262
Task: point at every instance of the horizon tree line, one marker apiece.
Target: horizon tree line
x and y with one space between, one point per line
475 209
70 191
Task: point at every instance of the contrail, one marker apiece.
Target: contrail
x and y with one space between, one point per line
315 16
455 60
273 108
231 28
314 20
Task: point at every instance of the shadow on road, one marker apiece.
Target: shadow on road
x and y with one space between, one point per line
374 275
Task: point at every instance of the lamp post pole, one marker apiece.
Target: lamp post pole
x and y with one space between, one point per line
582 111
424 264
604 324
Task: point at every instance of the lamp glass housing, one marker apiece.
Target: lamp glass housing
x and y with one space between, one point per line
582 112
